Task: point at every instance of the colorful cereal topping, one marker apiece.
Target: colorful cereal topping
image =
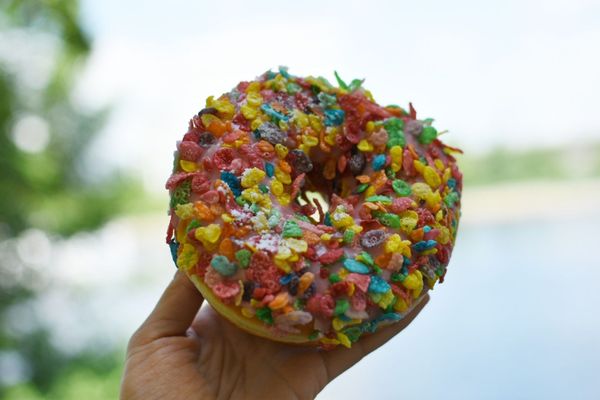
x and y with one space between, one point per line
311 210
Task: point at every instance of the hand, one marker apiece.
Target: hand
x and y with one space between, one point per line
180 352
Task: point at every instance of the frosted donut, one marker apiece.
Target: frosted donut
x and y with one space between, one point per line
307 213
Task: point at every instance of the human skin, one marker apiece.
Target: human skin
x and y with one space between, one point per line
183 351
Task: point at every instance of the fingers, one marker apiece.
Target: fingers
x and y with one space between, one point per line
174 312
339 360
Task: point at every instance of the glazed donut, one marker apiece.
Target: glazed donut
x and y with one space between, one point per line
307 213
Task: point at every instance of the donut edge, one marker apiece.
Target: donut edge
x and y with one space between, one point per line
255 327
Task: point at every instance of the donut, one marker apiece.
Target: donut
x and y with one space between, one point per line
306 213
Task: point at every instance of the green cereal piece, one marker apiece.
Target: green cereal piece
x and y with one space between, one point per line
388 219
401 187
291 230
243 257
264 314
341 306
379 199
348 236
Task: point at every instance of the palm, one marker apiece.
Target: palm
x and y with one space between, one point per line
215 359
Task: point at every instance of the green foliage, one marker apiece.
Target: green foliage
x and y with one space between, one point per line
554 163
54 188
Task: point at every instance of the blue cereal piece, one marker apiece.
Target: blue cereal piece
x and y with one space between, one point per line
424 245
378 285
355 266
274 114
269 169
378 162
233 182
334 117
222 265
174 246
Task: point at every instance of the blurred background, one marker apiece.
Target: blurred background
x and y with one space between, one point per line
94 94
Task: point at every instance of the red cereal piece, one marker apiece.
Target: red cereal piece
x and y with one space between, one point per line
189 151
331 256
200 183
361 281
175 179
340 288
223 158
321 304
400 204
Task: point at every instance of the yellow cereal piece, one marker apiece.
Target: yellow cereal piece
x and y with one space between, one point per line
247 312
419 166
260 223
252 177
371 191
227 218
386 299
222 105
344 340
365 146
444 236
338 324
315 122
395 244
356 228
276 187
252 195
208 234
281 150
283 265
188 166
370 127
433 199
253 87
283 125
330 135
401 305
396 153
439 215
310 141
284 199
283 176
253 99
300 119
431 177
249 112
420 190
414 282
255 303
326 237
297 245
283 252
408 220
256 123
439 164
326 340
187 258
447 175
341 219
185 211
238 297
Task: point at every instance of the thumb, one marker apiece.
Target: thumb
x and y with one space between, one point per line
173 314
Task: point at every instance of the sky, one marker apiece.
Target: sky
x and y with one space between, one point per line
517 74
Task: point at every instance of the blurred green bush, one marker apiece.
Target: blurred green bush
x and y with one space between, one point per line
46 185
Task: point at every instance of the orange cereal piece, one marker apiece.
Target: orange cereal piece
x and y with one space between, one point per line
204 213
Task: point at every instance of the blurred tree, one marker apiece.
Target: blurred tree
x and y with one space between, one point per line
46 181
